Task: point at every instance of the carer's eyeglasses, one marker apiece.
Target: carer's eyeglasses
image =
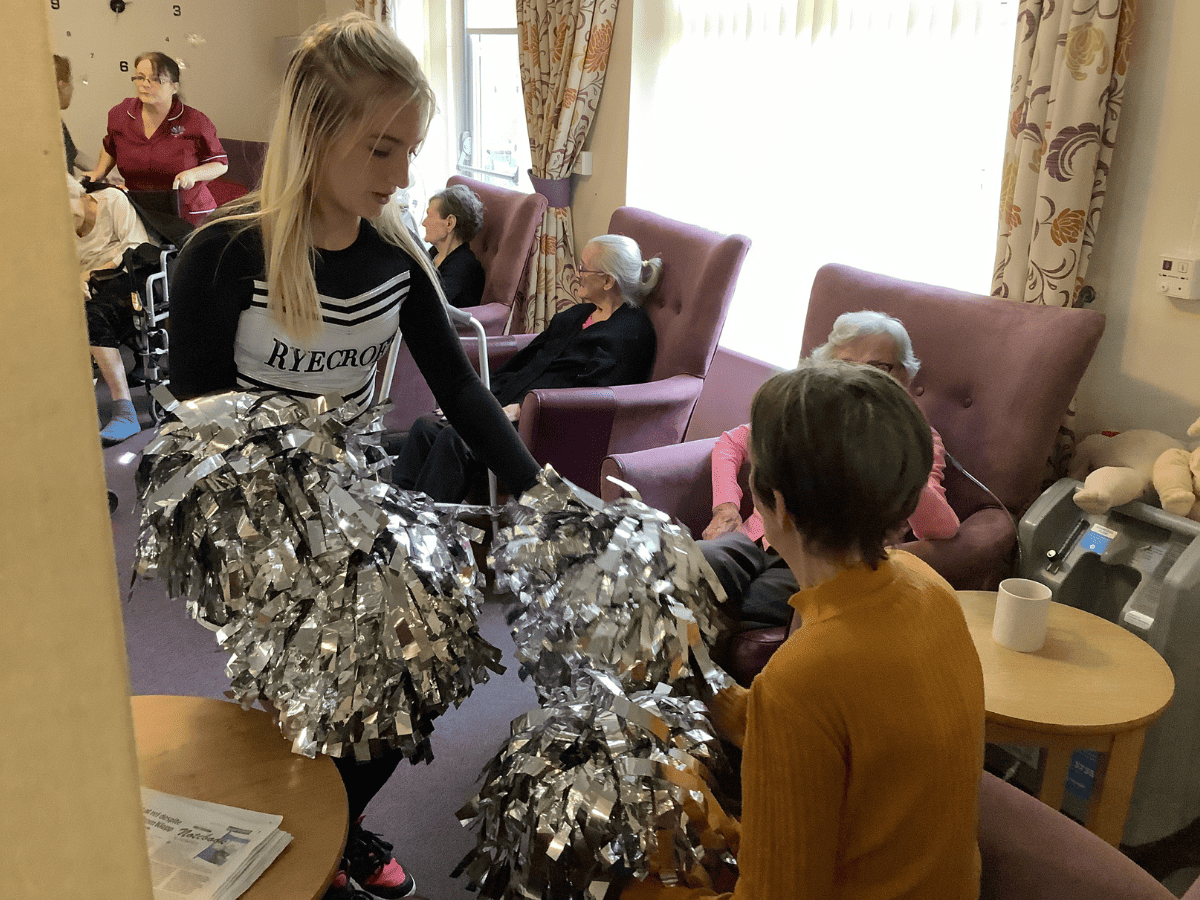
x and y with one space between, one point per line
143 79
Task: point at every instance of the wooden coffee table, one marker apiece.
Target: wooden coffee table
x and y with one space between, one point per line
214 750
1093 686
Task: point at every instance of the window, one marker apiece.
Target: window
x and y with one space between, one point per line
864 132
493 141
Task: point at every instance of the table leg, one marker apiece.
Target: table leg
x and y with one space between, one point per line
1112 794
1054 776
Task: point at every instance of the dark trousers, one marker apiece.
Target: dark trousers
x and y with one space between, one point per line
436 461
363 780
757 581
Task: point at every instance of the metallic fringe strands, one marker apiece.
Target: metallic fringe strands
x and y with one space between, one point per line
594 787
347 605
616 587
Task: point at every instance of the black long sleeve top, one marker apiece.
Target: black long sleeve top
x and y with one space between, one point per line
223 338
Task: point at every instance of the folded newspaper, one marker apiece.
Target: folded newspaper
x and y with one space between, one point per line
206 851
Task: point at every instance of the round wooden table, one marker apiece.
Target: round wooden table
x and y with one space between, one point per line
1092 686
213 750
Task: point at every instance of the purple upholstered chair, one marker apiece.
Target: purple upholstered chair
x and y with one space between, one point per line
1032 852
504 245
573 429
245 169
996 379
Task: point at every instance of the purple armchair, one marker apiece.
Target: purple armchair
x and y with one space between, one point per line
504 246
995 381
1032 852
573 429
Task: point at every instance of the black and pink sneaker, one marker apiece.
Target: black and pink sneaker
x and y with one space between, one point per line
369 862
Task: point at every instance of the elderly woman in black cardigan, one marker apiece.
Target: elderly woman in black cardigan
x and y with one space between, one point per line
604 340
453 217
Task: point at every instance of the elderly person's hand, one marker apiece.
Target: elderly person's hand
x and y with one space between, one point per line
726 518
513 411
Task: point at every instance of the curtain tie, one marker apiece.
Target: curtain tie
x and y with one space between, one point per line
556 190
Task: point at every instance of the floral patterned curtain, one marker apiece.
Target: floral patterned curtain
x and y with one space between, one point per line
564 48
1068 78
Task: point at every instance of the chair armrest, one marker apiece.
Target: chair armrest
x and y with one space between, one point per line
654 414
676 479
573 429
1031 851
978 557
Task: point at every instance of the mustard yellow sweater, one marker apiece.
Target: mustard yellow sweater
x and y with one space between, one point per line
863 748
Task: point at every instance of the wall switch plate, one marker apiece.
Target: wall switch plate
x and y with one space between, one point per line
1178 277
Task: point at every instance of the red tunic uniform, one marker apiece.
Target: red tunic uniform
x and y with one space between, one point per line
184 140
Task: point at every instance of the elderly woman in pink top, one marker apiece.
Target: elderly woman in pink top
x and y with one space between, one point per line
754 575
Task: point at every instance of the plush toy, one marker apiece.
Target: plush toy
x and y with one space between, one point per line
1119 468
1177 479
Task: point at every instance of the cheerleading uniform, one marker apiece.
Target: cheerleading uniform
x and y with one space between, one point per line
223 337
863 747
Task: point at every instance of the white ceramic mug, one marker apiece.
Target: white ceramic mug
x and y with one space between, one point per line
1022 608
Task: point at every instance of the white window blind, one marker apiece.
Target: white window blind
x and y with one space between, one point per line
867 132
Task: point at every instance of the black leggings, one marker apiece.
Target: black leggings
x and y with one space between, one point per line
363 780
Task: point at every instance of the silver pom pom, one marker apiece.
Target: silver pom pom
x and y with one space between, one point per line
596 787
347 605
616 587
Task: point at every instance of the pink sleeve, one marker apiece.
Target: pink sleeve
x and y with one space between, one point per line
728 455
933 518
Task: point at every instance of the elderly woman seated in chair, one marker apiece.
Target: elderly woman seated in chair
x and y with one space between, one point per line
606 339
754 576
453 217
862 739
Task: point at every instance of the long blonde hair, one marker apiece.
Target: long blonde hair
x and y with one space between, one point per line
331 83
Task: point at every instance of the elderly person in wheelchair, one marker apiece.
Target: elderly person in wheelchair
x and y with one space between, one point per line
754 576
106 225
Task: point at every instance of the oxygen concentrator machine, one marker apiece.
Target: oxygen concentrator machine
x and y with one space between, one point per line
1138 566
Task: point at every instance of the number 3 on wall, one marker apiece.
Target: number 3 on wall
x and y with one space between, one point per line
175 10
54 4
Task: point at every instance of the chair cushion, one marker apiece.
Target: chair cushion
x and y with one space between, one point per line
698 279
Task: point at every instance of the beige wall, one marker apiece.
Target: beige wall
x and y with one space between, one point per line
1146 373
71 824
230 73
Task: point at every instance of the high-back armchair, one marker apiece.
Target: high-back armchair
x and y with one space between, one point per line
504 246
995 381
573 429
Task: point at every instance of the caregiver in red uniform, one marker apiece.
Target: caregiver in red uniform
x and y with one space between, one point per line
158 143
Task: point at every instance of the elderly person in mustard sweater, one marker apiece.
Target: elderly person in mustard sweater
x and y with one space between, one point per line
862 738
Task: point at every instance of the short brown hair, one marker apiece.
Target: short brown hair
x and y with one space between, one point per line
160 65
62 68
464 204
846 448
